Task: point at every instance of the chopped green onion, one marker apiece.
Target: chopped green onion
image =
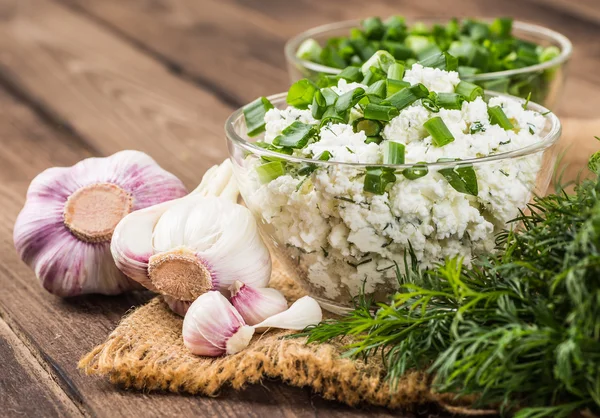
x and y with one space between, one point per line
301 93
309 50
270 171
498 117
549 53
349 99
373 28
468 90
379 112
307 169
440 134
501 27
394 86
319 105
462 178
333 116
295 136
408 96
380 60
465 71
373 75
331 57
417 43
397 49
254 115
443 61
330 96
378 89
395 71
476 127
429 51
375 139
327 80
450 100
351 74
416 171
325 156
430 103
393 153
377 179
369 127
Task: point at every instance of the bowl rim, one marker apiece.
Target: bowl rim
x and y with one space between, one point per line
566 47
549 139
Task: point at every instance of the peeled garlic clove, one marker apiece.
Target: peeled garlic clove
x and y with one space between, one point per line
180 307
212 327
256 304
219 181
304 312
64 230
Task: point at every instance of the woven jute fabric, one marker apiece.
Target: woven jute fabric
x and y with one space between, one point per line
146 352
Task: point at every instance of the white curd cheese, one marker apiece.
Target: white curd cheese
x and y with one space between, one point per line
342 237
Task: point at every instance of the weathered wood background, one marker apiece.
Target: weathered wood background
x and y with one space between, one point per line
91 77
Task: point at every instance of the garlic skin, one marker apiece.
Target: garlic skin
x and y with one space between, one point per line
304 312
213 327
256 304
187 247
180 307
63 232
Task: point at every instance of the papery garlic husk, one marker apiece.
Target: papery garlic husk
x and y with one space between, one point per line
180 307
198 243
256 304
213 327
63 232
304 312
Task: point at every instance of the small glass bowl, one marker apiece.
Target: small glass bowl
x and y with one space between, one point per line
545 80
303 224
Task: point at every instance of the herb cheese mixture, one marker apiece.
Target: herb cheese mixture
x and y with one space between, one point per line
348 226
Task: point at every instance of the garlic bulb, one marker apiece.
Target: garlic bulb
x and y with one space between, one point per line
213 327
64 230
256 304
304 312
187 247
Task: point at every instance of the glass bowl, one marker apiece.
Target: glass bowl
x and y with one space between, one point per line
545 80
336 247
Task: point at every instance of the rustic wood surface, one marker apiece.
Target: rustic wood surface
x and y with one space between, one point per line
91 77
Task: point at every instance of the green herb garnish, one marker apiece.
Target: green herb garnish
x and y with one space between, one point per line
519 330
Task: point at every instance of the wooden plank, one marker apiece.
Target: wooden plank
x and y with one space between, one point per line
22 374
583 9
59 331
220 41
110 93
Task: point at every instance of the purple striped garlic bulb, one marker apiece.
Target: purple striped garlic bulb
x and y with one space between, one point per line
64 230
189 246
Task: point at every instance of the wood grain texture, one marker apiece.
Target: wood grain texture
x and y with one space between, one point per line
21 373
220 41
111 94
161 76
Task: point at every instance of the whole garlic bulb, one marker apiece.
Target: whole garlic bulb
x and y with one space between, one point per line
187 247
64 230
213 327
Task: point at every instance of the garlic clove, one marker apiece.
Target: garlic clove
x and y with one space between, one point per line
256 304
219 181
180 307
131 245
203 243
304 312
212 327
63 232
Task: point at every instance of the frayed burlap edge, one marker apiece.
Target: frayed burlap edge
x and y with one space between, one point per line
146 352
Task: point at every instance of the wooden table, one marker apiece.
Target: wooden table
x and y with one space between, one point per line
90 77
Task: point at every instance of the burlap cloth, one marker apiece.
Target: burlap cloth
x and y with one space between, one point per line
146 352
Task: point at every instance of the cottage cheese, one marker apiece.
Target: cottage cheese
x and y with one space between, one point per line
340 238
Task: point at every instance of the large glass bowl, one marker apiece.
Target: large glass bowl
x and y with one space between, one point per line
306 223
545 81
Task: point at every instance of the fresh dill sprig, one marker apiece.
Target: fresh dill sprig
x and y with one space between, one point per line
520 329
